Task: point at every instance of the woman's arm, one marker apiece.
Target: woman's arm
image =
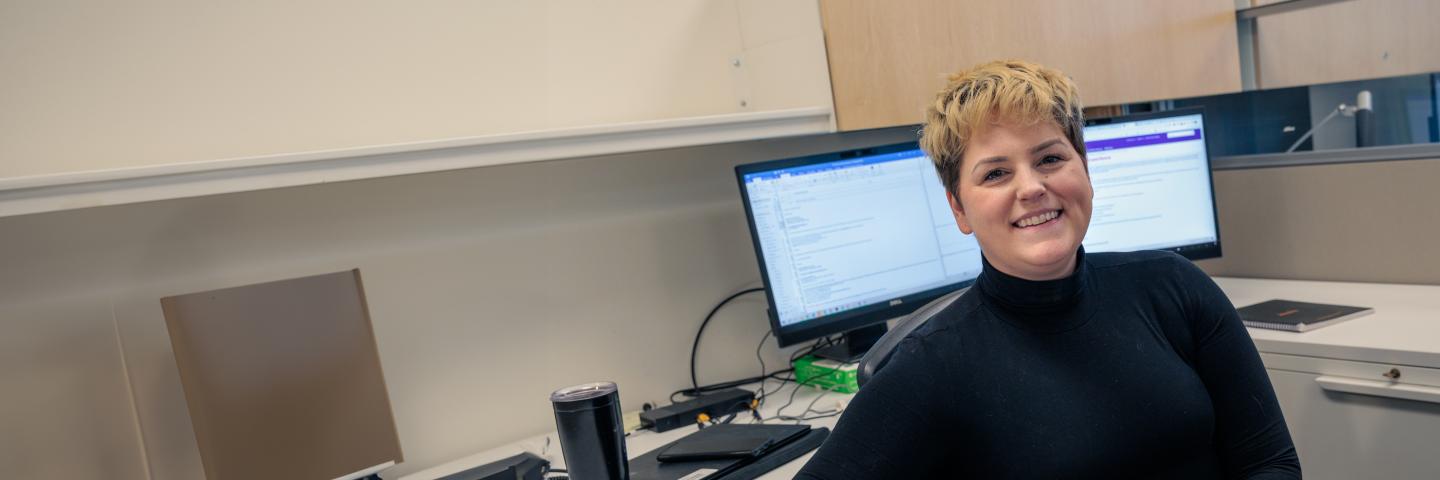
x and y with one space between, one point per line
893 427
1250 431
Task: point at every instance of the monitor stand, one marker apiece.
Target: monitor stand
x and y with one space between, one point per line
853 346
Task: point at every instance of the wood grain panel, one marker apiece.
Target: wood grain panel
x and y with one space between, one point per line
1353 40
887 59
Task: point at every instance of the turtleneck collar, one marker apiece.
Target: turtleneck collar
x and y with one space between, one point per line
1027 299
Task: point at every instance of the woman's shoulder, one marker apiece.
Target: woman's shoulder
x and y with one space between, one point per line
1141 262
1145 267
938 340
1131 259
947 321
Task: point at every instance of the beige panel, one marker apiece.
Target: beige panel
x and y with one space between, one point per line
93 85
170 444
480 331
66 411
1353 40
283 378
525 276
98 85
630 60
887 59
1362 222
783 64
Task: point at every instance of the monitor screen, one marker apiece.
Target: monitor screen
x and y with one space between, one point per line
850 238
1153 191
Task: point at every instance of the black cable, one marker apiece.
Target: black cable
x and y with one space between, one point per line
697 391
805 415
815 417
819 344
690 392
761 400
810 408
695 347
792 398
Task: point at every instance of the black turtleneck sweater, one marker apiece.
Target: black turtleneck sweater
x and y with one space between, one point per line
1136 366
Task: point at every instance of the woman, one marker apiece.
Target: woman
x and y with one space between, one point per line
1058 363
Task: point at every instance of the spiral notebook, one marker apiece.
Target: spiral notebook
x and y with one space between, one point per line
1298 316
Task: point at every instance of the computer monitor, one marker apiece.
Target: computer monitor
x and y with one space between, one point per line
847 240
1153 187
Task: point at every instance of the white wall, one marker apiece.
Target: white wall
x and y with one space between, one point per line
488 287
94 85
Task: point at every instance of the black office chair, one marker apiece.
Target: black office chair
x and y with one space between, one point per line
879 355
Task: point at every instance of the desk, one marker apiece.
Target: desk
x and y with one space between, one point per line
643 441
1347 419
1338 434
1405 328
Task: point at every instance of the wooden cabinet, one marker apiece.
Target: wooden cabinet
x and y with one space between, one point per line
887 59
1354 40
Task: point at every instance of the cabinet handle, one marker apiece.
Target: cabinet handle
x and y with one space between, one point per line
1375 388
1393 374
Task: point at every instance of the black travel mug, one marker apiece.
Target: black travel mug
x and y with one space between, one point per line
592 432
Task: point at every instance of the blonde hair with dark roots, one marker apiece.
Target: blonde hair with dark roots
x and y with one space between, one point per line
1012 91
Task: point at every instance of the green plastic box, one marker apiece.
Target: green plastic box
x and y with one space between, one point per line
827 374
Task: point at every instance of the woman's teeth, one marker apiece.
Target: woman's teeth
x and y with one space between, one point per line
1038 219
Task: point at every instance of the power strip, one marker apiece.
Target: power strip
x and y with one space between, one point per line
689 412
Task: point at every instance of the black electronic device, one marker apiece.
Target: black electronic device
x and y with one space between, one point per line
525 466
648 466
781 455
711 405
730 441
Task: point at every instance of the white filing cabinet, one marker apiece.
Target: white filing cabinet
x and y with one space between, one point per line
1348 418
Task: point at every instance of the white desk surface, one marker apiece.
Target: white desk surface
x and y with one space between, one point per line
643 441
1404 330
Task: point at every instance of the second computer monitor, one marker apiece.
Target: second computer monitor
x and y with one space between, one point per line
1153 189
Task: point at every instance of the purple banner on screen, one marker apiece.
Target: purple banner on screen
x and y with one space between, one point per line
1142 140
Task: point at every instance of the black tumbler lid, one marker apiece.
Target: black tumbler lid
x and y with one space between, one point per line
584 396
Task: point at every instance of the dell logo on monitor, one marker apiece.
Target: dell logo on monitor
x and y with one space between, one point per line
895 302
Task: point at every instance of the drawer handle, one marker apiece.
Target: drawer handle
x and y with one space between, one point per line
1393 374
1376 388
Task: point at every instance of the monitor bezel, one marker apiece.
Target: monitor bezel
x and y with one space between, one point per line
841 322
1198 251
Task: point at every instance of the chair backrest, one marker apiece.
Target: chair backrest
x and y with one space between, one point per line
879 355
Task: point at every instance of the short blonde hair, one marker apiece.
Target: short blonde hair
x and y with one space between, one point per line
1006 90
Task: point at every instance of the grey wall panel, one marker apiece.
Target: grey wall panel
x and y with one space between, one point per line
1362 222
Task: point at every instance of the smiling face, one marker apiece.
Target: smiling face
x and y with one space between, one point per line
1025 194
